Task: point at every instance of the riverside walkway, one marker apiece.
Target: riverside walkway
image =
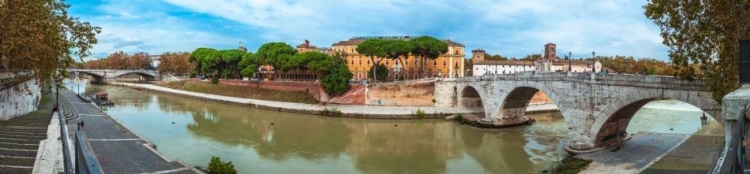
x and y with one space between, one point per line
347 110
117 148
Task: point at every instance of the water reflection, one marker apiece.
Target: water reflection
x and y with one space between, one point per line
261 141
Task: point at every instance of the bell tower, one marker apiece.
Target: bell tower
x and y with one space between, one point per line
477 56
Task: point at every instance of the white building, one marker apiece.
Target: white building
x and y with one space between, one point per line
549 62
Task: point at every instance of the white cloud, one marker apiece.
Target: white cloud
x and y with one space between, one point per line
508 27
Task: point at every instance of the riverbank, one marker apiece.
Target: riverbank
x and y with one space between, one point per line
354 111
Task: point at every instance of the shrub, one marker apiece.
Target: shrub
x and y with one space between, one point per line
215 80
571 165
459 117
216 166
336 112
325 112
192 74
420 113
433 101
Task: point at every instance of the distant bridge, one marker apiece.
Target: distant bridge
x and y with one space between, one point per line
107 75
597 107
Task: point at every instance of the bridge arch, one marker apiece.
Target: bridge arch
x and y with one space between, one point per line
517 99
470 97
613 121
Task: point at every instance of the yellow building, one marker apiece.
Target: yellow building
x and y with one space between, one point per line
447 65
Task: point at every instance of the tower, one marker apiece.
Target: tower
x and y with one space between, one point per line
477 56
550 51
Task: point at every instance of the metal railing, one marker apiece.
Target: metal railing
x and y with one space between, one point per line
733 160
85 161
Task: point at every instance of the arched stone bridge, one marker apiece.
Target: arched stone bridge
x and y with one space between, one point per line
106 75
597 108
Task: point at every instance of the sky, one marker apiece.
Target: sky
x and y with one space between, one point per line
511 28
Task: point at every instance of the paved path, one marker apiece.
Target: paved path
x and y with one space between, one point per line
117 149
372 111
634 155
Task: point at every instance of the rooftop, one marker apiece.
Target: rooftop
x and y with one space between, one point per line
359 39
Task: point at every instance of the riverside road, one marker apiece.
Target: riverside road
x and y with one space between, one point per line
117 149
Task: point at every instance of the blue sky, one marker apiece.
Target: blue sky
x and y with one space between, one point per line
513 28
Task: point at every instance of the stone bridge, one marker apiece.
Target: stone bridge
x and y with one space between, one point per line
597 107
107 75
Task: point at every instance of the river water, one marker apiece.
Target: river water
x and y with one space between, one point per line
261 141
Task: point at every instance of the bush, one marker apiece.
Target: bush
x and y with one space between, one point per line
337 81
192 75
336 113
325 112
216 166
420 113
459 117
214 80
433 101
571 165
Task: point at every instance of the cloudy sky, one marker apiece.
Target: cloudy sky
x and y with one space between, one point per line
513 28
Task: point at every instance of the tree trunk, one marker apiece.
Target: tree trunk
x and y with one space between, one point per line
374 70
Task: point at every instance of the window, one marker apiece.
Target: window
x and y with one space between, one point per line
416 62
360 61
434 62
416 76
368 62
352 60
387 62
396 62
406 76
444 62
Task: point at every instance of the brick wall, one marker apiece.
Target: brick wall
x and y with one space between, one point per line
356 96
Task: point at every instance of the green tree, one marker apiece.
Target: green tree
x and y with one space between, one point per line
276 54
427 47
249 64
216 166
395 49
230 62
378 68
372 48
336 82
704 32
40 37
198 57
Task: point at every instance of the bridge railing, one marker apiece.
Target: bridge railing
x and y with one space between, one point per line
733 159
653 81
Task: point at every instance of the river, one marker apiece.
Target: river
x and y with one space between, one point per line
261 141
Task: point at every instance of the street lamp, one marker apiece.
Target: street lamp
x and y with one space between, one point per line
593 61
570 61
58 82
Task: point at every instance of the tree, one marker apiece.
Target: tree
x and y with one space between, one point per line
230 62
198 57
378 68
275 53
704 32
337 80
38 36
372 48
427 47
249 64
395 49
140 60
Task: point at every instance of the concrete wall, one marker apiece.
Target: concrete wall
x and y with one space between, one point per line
402 93
355 96
14 103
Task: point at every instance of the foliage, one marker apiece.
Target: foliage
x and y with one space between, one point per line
427 47
335 112
378 68
459 117
275 53
214 80
372 48
192 75
704 32
420 113
337 80
216 166
571 165
175 62
495 57
40 37
121 60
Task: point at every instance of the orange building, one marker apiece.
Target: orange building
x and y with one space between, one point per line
450 64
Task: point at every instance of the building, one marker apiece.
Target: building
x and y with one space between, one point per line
306 47
549 62
450 64
489 67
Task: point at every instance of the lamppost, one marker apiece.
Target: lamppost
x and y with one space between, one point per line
58 82
570 61
593 61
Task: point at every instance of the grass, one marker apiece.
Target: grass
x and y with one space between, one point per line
242 91
571 165
420 113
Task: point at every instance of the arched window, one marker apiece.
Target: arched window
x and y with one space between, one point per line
387 62
368 62
444 62
416 76
406 76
